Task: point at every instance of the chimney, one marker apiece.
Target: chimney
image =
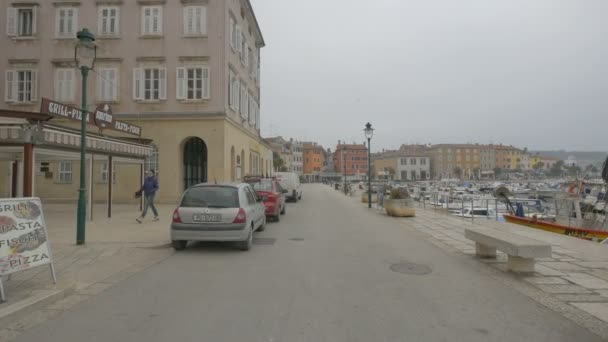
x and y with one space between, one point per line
364 143
338 142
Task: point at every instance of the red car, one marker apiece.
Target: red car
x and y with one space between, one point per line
271 190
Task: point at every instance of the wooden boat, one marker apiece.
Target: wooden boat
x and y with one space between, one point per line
581 233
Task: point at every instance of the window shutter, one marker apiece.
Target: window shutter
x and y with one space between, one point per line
180 85
160 20
187 20
34 85
100 24
145 20
100 83
11 21
162 76
232 32
113 84
11 86
116 21
57 21
34 20
237 92
70 84
74 22
137 84
246 54
202 19
58 84
238 39
206 84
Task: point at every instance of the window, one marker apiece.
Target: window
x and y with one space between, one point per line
412 161
66 22
20 86
65 172
152 162
244 100
107 81
21 21
422 161
108 21
104 173
234 90
152 20
233 32
64 85
244 49
150 84
195 20
192 83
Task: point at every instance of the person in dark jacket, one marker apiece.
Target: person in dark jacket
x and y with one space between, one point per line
149 189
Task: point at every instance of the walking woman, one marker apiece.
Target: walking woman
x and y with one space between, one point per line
149 189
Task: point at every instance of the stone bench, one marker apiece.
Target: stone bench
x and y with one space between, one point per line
521 250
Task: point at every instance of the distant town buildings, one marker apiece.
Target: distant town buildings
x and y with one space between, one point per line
314 158
351 160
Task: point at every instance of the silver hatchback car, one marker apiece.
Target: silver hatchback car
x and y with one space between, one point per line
218 212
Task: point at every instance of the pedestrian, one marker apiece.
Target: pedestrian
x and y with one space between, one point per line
149 189
380 190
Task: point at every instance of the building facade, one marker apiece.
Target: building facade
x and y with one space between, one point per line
487 157
314 159
187 72
455 160
413 168
351 159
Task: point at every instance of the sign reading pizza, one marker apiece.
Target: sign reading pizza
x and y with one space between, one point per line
24 240
102 117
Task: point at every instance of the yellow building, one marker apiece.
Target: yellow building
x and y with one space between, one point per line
448 159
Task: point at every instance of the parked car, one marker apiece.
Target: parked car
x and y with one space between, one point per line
271 190
291 182
218 212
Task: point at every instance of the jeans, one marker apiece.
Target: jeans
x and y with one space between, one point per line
149 204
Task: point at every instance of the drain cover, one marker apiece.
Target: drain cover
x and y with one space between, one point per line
264 241
296 239
410 268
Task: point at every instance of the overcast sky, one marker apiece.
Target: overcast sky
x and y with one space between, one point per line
531 73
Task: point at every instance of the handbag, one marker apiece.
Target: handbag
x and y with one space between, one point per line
138 194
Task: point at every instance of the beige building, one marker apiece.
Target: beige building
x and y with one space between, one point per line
187 72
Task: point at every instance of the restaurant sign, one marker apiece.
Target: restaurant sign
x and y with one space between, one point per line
102 118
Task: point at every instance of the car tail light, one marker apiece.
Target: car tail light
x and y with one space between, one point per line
176 218
241 217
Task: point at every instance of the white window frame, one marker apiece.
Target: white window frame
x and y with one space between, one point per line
147 21
195 20
104 172
234 89
140 89
13 84
108 79
233 39
243 100
14 22
65 26
183 83
65 172
104 27
239 36
65 84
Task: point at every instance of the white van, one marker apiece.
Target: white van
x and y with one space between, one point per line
291 182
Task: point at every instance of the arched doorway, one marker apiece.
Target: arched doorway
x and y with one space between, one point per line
195 162
232 165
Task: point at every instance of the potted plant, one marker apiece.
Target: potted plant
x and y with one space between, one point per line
364 197
400 203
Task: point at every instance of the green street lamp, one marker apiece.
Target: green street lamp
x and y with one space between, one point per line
85 53
369 133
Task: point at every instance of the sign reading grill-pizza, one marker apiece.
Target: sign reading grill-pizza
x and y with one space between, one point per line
23 236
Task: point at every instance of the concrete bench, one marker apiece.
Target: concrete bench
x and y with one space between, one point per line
521 250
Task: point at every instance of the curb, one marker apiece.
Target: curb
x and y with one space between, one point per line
40 299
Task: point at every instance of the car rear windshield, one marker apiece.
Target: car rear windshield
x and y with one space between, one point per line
211 197
264 185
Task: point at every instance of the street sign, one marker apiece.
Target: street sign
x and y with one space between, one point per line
102 118
24 242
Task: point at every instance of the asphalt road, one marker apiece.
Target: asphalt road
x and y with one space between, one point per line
321 274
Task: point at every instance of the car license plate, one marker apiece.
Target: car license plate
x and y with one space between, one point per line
206 218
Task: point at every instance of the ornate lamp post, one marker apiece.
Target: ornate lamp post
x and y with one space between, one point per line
369 133
85 53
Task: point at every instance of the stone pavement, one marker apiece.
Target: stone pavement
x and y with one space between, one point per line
115 249
574 279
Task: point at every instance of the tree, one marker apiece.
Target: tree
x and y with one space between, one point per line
574 170
556 169
458 172
278 163
539 166
476 173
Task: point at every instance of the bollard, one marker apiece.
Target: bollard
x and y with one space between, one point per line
487 208
496 208
462 205
472 209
